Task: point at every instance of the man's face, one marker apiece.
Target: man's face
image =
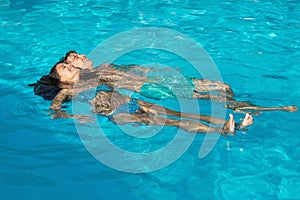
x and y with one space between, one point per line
79 61
68 73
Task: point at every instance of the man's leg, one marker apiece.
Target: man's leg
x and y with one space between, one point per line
226 95
220 98
204 85
240 106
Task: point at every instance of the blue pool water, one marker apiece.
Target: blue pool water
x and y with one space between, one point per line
255 45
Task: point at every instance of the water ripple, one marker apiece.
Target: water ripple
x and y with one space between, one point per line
255 45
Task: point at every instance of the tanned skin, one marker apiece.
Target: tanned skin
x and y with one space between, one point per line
133 77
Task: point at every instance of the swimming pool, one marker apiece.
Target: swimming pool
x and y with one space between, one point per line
255 45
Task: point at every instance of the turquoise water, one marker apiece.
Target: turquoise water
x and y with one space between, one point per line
255 45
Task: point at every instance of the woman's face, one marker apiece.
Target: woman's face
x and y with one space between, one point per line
67 73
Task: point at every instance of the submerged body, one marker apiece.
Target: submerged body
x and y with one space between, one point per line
75 73
110 76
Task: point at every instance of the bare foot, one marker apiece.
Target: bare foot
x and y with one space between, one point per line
229 127
248 120
231 123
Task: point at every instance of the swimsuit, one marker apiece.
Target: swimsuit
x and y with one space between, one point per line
130 107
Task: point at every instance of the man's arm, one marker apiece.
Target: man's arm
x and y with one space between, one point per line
145 70
133 68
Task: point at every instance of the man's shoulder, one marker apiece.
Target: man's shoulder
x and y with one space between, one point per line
105 66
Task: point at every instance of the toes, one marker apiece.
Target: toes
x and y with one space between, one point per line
231 123
247 116
229 129
248 120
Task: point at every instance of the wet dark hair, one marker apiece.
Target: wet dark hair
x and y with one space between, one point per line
49 85
46 87
68 53
53 72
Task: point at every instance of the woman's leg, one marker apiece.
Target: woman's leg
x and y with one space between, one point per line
187 125
155 120
156 109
